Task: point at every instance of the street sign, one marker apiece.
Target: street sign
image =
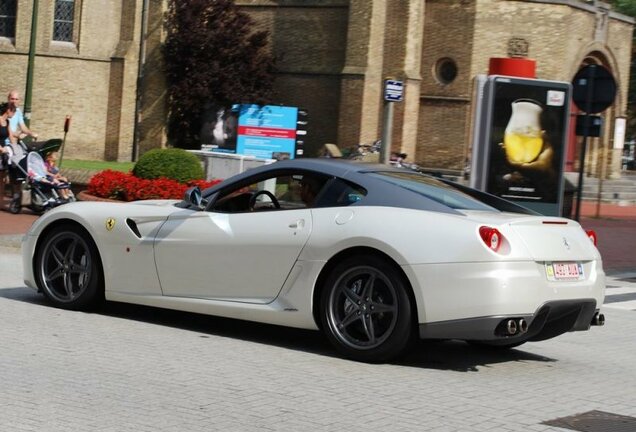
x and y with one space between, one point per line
393 91
594 127
593 89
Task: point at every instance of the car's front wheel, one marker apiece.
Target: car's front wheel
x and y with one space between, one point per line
68 269
366 310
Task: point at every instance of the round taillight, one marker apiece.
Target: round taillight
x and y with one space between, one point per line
592 236
491 237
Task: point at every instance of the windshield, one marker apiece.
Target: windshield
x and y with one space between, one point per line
432 189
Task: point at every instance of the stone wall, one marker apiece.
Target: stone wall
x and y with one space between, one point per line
93 79
560 36
309 40
442 128
333 56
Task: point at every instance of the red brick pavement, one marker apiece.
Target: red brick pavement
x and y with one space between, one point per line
15 224
616 231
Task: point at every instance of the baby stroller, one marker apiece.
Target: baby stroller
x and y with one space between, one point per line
28 175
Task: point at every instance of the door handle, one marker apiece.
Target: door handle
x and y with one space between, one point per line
299 224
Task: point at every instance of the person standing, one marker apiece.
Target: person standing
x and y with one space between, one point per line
6 138
18 127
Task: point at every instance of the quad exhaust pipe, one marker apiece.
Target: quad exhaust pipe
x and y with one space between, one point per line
514 326
598 320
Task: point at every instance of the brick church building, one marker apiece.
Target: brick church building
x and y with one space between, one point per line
101 63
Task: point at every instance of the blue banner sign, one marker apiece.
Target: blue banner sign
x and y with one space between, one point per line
267 132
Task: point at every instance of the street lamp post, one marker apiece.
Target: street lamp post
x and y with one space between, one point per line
30 64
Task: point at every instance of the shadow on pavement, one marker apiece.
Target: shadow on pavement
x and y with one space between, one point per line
460 356
441 355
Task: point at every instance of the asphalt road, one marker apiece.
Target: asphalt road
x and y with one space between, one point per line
131 368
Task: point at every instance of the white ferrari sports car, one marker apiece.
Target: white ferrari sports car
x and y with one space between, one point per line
373 256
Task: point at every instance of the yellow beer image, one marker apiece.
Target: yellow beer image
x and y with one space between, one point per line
522 148
523 138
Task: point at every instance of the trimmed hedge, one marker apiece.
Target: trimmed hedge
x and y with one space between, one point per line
172 163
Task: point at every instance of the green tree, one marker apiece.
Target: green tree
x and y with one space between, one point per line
627 7
214 57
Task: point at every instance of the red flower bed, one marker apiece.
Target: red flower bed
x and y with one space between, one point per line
126 187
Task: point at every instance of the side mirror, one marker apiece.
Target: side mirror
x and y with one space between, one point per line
193 197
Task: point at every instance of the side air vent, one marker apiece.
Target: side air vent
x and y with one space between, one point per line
133 227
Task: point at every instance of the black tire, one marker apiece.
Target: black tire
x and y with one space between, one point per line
37 203
68 269
14 206
365 310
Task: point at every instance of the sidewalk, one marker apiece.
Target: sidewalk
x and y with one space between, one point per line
616 231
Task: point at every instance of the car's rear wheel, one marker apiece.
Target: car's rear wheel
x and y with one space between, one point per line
366 310
68 269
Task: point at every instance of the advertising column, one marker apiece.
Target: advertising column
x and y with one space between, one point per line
523 141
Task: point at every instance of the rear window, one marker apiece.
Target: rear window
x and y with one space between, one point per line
432 189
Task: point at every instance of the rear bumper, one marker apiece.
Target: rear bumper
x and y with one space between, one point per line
549 320
460 291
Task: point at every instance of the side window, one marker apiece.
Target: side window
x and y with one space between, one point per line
282 192
340 193
7 18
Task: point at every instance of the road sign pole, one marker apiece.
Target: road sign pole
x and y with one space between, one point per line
588 108
393 92
594 90
387 131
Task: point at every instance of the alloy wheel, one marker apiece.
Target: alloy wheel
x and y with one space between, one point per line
65 267
363 308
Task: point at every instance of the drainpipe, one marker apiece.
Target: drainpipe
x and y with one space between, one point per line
140 78
30 65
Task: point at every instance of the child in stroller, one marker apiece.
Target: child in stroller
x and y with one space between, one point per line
29 173
60 183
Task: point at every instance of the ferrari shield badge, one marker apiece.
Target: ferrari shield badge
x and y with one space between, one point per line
110 223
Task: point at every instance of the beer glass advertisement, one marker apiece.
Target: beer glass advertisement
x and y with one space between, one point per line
527 138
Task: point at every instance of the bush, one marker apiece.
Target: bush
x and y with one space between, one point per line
126 187
172 163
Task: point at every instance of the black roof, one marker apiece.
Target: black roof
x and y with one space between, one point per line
335 167
379 191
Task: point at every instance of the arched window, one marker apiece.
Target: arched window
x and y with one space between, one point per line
7 18
63 20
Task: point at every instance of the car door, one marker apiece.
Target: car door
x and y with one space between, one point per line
240 257
234 252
